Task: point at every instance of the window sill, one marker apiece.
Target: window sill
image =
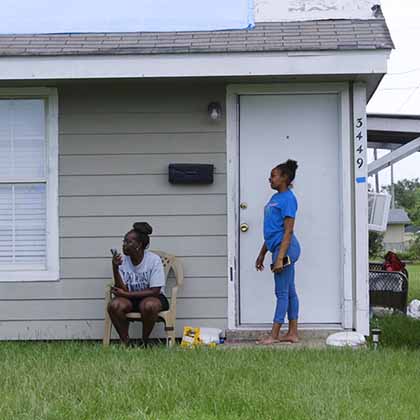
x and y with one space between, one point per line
28 276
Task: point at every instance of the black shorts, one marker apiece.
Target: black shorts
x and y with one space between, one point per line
163 301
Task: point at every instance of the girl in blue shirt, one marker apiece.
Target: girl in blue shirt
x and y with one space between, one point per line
279 239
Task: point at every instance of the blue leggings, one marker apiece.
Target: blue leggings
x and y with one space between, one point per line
287 298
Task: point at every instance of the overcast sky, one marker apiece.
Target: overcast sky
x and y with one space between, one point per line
399 91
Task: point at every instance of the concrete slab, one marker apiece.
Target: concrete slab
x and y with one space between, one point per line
248 338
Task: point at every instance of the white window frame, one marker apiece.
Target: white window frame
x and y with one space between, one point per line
50 97
387 205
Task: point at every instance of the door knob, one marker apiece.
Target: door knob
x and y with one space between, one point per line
244 227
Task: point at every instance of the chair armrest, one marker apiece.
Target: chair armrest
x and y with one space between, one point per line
179 272
172 307
108 293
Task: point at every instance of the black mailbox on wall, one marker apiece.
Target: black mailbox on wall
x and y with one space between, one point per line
191 173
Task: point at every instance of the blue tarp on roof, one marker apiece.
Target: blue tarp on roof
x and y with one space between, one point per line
79 16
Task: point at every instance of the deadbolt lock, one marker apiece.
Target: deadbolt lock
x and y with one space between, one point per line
244 227
243 206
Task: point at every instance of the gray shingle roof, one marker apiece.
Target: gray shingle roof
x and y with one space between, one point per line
265 37
398 217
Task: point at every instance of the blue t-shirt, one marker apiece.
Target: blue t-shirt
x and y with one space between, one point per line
280 206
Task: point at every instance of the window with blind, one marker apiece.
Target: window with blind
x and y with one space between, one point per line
25 178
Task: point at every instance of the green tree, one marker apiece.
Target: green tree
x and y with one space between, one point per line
415 247
414 212
407 196
376 247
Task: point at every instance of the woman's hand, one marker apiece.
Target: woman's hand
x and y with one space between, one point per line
119 292
259 264
278 266
117 260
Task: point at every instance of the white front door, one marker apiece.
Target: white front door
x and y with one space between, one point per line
304 127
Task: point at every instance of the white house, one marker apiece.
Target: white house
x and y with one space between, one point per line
90 122
394 238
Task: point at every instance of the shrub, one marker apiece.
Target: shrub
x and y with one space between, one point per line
406 255
376 247
414 248
413 251
399 331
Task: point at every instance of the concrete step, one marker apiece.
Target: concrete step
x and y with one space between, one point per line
252 335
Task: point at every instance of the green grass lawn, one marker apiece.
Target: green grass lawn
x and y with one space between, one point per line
414 281
84 381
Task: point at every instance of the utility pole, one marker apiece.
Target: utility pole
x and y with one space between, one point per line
375 156
392 188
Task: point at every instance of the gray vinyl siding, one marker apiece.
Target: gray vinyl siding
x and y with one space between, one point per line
116 141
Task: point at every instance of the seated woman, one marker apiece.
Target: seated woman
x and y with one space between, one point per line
139 283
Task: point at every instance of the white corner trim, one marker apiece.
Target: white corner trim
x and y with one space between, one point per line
232 137
51 107
360 187
345 211
232 152
194 65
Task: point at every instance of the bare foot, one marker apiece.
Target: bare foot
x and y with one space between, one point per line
289 338
125 342
266 341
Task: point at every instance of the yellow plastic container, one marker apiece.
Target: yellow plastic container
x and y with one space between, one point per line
190 338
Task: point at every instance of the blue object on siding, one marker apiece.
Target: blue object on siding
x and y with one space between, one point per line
361 180
81 16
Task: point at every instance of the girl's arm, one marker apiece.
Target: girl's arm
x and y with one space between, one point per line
264 250
151 292
259 264
289 224
116 262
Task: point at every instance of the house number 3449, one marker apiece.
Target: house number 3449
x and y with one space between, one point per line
359 143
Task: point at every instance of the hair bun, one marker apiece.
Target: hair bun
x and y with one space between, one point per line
292 164
143 227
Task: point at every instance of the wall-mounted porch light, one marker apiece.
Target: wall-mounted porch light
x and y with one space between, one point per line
215 111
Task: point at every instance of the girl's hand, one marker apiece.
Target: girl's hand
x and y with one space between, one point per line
117 260
259 264
119 292
278 266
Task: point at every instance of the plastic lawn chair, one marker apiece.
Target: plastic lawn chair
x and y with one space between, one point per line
169 262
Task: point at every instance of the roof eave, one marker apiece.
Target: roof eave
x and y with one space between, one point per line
366 65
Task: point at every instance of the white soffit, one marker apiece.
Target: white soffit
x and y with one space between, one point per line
394 123
195 65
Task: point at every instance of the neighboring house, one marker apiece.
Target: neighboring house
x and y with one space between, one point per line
90 122
394 238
